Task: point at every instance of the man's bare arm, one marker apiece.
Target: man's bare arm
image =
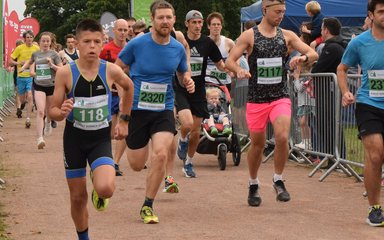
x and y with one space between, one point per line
244 43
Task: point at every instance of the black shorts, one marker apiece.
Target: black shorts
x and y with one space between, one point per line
369 119
144 124
198 107
48 90
81 146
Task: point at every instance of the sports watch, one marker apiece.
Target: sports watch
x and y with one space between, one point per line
125 117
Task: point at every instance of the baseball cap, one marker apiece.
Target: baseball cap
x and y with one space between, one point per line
193 14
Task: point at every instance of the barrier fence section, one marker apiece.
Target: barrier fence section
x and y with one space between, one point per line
320 128
6 100
6 95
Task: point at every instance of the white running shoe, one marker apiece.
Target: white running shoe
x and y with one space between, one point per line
40 143
47 129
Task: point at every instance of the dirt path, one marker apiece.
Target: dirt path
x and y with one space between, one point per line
212 206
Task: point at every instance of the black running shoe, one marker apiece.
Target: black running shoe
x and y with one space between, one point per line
19 113
254 198
118 171
282 193
375 217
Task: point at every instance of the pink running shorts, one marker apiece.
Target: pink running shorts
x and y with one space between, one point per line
258 113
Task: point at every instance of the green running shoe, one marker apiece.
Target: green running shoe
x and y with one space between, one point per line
148 216
170 185
100 204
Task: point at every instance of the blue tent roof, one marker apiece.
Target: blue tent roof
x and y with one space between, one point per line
350 13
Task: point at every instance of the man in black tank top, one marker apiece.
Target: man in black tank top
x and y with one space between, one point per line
82 96
192 108
268 97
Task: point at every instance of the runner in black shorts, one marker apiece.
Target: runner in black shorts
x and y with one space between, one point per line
192 108
82 96
153 58
43 66
363 51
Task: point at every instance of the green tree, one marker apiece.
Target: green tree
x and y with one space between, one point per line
57 16
230 9
62 16
97 7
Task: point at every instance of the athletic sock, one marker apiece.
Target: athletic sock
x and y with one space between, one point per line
277 177
185 139
148 202
254 181
188 160
83 235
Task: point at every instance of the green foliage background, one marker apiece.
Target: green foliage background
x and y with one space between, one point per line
61 16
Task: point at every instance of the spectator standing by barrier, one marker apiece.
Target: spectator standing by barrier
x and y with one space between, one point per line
329 59
313 10
305 104
268 99
366 50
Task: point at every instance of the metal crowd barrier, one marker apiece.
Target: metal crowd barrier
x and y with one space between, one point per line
239 92
332 129
7 100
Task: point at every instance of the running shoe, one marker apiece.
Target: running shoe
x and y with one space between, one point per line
19 113
182 150
40 143
188 170
100 204
28 123
170 185
47 129
118 171
254 198
281 191
148 216
375 216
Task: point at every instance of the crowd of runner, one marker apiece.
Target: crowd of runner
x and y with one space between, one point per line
131 89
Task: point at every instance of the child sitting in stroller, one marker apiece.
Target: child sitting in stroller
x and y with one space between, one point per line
217 113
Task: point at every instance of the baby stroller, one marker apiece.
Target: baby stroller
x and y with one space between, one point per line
220 144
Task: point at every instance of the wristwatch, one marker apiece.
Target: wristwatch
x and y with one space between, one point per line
125 117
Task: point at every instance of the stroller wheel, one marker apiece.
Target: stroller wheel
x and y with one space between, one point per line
236 150
222 155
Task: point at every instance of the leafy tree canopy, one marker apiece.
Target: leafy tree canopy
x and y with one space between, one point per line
62 16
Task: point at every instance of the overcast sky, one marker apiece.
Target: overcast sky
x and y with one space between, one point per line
18 6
